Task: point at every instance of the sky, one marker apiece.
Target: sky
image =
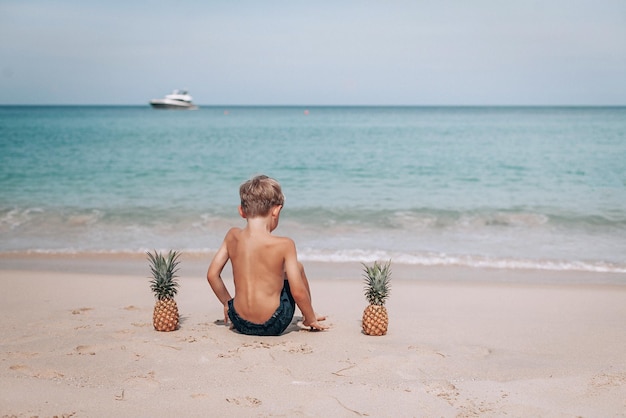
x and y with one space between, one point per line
296 52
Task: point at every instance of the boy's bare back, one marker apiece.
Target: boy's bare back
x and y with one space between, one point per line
257 260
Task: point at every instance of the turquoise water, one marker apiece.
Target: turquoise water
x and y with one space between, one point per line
508 187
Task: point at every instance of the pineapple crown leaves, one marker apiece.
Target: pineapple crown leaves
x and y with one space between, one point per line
163 282
377 282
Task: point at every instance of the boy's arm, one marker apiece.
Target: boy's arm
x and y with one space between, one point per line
215 280
299 289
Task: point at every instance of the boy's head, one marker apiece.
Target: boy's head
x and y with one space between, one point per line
259 195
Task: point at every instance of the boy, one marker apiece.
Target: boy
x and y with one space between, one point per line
268 277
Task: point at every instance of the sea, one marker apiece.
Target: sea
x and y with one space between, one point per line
540 188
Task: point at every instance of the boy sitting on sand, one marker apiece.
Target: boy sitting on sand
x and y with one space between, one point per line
268 277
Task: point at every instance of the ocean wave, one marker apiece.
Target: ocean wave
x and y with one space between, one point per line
426 219
442 219
369 256
439 259
12 218
84 219
488 238
350 219
513 219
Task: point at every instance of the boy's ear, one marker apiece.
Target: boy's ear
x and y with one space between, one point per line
241 212
276 210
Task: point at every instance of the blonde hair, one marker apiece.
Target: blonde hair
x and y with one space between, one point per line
259 194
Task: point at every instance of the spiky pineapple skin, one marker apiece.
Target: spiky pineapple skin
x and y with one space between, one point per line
375 320
165 317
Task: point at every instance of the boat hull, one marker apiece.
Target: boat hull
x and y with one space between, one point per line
171 104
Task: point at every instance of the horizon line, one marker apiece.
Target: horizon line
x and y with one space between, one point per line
310 105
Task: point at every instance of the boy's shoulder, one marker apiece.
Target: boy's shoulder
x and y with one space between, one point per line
233 231
285 240
234 234
285 244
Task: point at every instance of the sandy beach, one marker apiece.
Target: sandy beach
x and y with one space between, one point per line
77 340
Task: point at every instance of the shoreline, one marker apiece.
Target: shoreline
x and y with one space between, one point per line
195 264
78 340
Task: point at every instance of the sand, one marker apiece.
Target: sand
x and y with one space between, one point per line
77 341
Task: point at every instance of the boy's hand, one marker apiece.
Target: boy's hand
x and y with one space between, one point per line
315 325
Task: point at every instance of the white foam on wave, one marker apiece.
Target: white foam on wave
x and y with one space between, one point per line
369 256
441 259
14 218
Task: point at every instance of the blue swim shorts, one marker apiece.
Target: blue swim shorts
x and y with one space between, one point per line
276 325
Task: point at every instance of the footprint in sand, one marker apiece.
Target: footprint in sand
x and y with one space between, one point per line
188 339
285 346
85 350
123 334
145 380
19 367
22 354
477 408
444 390
605 380
248 401
81 311
299 348
42 374
48 374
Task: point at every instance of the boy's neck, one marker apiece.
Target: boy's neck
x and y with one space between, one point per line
260 223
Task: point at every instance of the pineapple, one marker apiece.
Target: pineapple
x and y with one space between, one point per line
165 287
375 319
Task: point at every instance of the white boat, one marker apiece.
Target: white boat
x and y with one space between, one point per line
179 99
